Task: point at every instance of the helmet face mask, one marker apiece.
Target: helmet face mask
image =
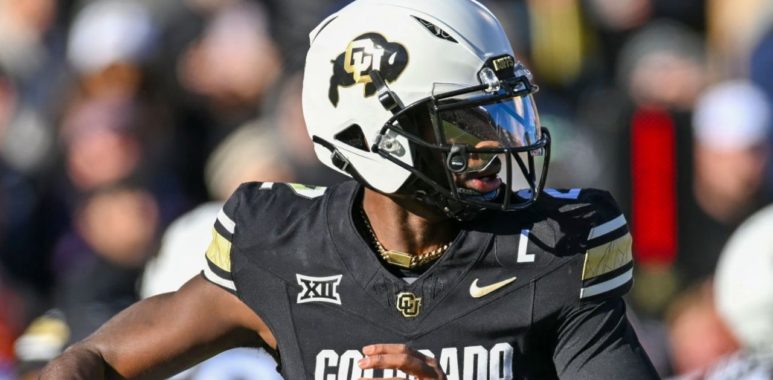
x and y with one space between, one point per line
477 133
425 99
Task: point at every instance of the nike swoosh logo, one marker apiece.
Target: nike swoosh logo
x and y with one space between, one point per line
477 292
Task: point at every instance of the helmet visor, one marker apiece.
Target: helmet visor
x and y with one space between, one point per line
511 124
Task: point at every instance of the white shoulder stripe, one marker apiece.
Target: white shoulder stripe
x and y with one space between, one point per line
227 222
607 227
607 285
211 276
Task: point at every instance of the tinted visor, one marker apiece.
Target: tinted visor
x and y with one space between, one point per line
511 123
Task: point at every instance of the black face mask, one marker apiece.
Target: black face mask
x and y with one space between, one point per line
468 134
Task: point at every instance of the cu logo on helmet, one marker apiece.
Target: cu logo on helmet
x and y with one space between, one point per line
367 52
360 57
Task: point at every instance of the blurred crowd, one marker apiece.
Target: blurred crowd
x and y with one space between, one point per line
125 123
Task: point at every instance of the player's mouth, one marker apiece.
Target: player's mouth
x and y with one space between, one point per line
483 183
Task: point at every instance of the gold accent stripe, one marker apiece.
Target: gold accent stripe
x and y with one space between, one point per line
219 251
306 190
607 257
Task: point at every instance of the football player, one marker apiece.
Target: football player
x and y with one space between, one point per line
431 263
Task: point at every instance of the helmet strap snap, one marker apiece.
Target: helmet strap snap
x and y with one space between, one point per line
457 158
386 97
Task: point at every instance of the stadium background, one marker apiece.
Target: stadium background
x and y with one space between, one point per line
119 117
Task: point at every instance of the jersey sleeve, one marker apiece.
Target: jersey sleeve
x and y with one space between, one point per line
596 341
257 208
607 267
218 256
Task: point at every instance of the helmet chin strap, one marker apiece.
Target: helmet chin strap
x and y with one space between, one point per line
424 193
478 196
339 160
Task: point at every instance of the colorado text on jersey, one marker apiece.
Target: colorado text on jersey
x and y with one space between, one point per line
471 362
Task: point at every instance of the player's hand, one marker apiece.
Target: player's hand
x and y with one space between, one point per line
403 358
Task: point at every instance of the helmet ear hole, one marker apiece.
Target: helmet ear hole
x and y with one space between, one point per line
353 136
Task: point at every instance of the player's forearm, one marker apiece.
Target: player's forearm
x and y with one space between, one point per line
78 363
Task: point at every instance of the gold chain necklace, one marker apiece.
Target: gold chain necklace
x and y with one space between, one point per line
402 259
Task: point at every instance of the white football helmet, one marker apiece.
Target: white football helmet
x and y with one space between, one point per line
744 283
424 97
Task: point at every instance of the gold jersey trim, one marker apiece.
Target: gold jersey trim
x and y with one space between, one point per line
219 251
607 257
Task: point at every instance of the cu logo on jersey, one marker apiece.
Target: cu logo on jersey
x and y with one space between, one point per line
370 51
408 304
319 289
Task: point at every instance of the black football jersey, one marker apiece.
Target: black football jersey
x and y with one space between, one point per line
534 294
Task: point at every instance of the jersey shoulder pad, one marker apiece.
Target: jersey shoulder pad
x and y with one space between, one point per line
606 259
250 204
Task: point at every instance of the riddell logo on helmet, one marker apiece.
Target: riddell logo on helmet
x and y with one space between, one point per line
370 51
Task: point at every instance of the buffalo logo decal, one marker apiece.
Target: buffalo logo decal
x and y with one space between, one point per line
370 51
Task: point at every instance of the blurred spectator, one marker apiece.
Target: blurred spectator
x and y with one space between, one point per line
620 15
97 254
97 268
27 223
286 118
615 23
559 46
644 128
23 24
26 137
109 42
232 64
30 75
109 140
698 337
744 289
734 27
225 65
116 125
97 265
31 50
101 144
731 124
663 66
761 62
248 154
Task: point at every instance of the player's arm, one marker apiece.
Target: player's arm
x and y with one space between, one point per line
161 335
594 339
